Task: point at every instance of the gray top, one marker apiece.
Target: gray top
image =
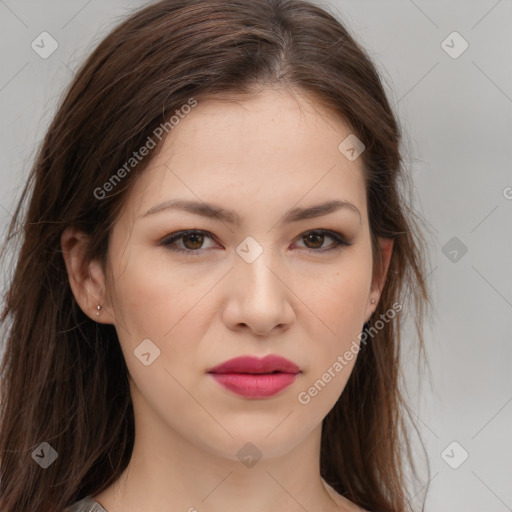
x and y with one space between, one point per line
85 505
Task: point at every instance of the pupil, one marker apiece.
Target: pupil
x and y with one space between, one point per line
197 244
317 236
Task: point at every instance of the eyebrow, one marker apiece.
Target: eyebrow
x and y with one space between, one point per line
213 211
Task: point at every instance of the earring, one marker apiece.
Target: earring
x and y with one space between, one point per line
367 323
98 312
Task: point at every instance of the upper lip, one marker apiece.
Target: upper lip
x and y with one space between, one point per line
255 365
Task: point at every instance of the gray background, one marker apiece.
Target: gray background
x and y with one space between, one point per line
456 114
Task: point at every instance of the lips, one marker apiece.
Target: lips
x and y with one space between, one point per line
253 365
255 378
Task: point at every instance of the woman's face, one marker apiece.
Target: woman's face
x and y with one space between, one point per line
254 280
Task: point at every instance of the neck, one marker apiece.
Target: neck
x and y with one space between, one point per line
169 471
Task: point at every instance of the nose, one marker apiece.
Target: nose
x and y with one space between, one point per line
259 297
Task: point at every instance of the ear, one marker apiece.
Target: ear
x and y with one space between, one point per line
378 280
87 279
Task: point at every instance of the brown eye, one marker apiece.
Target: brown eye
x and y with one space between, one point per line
316 240
193 241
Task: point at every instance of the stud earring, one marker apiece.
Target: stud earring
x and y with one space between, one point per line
371 314
98 312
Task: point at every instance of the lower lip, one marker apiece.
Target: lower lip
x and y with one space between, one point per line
255 385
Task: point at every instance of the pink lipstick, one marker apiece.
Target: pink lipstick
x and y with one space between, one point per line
255 378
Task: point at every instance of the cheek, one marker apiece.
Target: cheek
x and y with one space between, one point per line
163 305
157 312
339 307
330 366
152 298
339 297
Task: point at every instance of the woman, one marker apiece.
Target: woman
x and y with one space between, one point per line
206 306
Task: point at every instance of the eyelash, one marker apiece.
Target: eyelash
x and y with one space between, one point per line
339 241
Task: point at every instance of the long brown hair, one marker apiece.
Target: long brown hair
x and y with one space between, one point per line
64 379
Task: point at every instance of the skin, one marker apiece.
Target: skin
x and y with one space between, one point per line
260 157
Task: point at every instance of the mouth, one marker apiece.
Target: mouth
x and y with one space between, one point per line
252 377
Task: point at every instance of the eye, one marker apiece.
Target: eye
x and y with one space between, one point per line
315 239
192 241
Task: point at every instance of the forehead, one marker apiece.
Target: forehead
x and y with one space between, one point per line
271 151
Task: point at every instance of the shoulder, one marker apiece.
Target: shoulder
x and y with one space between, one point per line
87 504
